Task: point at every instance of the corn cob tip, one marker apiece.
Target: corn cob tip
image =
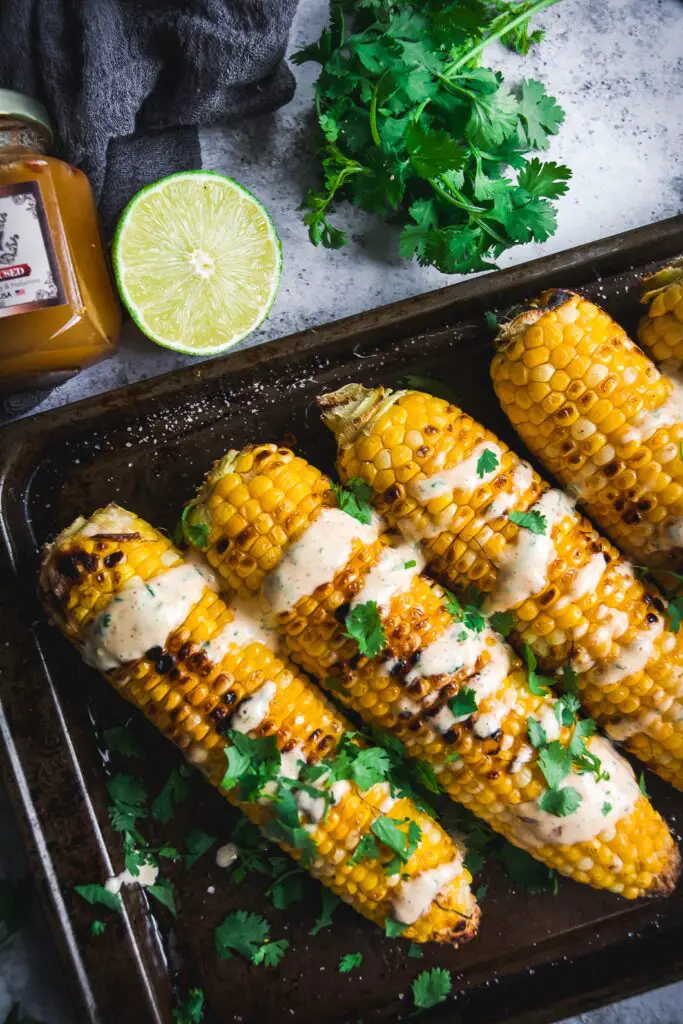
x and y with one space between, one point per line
347 410
665 882
661 279
521 317
220 468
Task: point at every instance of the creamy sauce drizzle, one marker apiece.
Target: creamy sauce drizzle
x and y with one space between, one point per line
390 576
588 577
416 895
315 558
633 656
647 423
248 626
253 710
521 480
620 792
463 477
142 616
524 569
147 875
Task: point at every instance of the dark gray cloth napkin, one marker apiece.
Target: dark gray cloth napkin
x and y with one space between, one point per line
128 82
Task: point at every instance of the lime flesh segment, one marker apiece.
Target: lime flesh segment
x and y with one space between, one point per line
197 262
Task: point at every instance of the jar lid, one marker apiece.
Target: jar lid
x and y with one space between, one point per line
25 108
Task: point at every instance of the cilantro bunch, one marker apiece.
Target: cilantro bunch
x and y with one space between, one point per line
416 130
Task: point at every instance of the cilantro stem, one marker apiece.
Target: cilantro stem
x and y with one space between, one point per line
475 51
373 112
477 214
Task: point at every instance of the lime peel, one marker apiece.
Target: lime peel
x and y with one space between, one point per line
197 261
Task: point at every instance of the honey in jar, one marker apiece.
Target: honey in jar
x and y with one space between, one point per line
58 309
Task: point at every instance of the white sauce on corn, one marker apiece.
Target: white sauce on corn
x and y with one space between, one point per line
416 895
489 722
142 616
252 711
315 558
602 805
588 577
449 653
648 422
549 723
624 728
463 477
525 564
393 574
521 480
147 875
633 656
248 626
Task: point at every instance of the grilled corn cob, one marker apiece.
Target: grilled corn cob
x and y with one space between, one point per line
573 598
602 418
153 624
270 524
661 329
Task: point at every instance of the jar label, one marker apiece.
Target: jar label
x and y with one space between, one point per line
29 272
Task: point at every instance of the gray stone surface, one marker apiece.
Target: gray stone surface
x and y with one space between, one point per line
617 67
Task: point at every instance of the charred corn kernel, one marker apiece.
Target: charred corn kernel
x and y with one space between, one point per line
615 442
327 561
573 598
195 665
661 329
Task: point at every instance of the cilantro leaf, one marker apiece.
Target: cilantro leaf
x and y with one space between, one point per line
464 703
349 961
469 615
430 385
581 732
547 180
400 842
537 733
163 892
197 843
129 801
252 763
426 775
538 684
192 1010
355 498
641 784
560 802
535 522
565 709
287 889
540 113
431 988
330 902
364 625
98 928
569 681
370 766
432 153
502 622
414 951
527 873
393 928
555 763
240 932
270 953
95 893
175 790
606 808
121 740
675 613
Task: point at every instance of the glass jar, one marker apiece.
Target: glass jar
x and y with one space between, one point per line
58 309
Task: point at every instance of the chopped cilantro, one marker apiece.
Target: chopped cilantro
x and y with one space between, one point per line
537 733
431 987
121 740
163 892
287 889
469 614
581 732
129 801
502 622
364 625
270 953
240 932
565 709
426 775
192 528
98 927
192 1010
491 320
330 902
403 844
252 763
537 684
197 843
430 385
641 784
532 521
480 893
98 894
606 808
354 498
370 766
349 961
569 681
560 802
410 565
555 762
175 790
486 463
415 951
464 703
392 928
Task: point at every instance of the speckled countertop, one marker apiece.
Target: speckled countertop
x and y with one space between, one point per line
617 68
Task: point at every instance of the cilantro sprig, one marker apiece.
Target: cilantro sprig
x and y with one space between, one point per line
431 988
412 124
354 498
533 521
486 463
248 935
364 625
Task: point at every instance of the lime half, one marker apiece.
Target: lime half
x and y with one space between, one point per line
197 261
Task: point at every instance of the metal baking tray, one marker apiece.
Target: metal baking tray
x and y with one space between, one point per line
147 447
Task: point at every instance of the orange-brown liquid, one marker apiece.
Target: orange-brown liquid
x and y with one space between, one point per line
42 346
